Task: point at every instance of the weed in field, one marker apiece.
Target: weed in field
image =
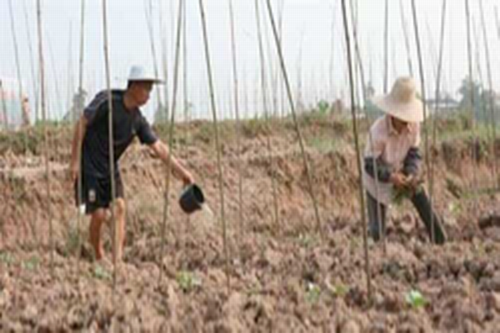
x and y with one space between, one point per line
313 292
31 264
101 273
188 281
7 258
415 299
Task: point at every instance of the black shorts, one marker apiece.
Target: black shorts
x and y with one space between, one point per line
96 192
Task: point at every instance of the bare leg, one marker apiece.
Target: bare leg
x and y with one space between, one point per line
96 222
120 212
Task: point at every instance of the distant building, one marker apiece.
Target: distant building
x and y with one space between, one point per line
14 112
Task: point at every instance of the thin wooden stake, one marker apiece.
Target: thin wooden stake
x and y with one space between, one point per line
32 62
238 122
472 98
45 131
149 20
358 153
80 130
166 192
111 152
294 116
404 24
370 137
386 48
438 105
265 105
217 143
491 98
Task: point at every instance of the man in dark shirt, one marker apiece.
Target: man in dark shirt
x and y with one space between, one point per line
91 139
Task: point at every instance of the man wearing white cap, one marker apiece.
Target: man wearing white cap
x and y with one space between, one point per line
91 139
392 160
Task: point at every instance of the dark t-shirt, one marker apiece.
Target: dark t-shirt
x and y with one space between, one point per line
126 125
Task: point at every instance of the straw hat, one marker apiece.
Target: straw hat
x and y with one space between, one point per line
139 73
402 102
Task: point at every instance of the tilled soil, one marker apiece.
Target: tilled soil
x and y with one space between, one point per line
281 275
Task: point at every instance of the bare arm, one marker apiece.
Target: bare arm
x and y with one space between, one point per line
76 146
178 170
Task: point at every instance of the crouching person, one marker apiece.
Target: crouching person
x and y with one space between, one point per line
392 161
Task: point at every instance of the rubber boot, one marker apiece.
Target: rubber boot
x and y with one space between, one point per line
424 209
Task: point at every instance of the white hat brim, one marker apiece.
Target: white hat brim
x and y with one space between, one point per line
412 112
148 79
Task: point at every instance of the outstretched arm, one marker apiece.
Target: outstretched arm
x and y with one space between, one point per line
178 170
76 147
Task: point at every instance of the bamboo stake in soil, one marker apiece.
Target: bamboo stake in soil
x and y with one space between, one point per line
438 100
358 153
370 137
294 116
386 48
32 62
491 98
404 24
45 130
149 19
217 143
424 100
166 202
238 122
111 152
266 118
80 130
472 98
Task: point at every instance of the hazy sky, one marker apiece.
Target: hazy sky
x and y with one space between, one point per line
308 38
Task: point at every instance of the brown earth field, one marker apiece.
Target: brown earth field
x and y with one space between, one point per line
284 274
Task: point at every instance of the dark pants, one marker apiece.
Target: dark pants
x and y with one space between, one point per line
423 206
96 192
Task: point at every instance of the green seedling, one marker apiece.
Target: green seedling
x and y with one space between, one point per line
31 264
7 258
101 273
187 281
340 290
307 241
415 299
313 293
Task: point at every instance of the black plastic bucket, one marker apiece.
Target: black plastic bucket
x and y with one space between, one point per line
192 199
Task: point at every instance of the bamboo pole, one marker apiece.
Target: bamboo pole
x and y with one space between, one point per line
111 152
357 147
266 118
386 48
149 20
238 122
18 67
472 97
80 130
370 137
404 24
438 100
294 116
166 203
32 62
45 131
217 143
165 71
491 99
424 99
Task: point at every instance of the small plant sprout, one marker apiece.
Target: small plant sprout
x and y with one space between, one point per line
101 273
313 292
7 258
31 264
415 299
187 281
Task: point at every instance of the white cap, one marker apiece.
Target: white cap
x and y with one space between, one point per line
139 73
